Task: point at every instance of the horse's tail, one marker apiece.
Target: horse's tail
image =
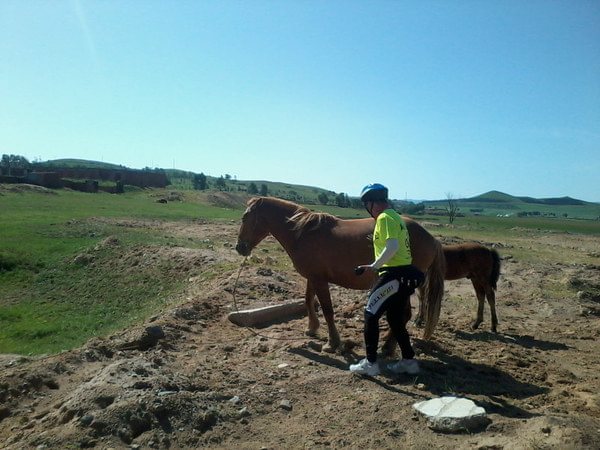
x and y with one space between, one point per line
495 275
434 291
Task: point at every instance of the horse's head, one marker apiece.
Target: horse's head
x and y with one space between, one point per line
253 229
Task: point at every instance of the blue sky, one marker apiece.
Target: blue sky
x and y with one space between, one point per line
432 98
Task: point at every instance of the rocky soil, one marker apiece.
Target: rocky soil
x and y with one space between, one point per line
189 378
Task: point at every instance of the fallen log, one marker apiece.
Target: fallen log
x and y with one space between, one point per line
268 315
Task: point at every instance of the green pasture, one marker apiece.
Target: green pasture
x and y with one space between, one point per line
48 300
60 285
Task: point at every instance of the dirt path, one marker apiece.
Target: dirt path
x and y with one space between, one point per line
190 378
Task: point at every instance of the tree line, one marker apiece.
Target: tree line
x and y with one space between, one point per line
10 162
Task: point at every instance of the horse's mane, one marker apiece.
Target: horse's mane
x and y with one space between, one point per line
303 219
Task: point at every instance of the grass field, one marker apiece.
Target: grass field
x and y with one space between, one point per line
62 282
49 300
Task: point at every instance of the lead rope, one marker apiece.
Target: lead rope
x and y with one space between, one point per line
236 283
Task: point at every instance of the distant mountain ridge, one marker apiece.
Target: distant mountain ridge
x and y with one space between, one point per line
496 203
501 197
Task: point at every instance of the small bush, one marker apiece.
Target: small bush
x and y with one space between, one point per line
7 262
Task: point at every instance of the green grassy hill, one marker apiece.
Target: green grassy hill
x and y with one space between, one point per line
298 193
79 163
184 180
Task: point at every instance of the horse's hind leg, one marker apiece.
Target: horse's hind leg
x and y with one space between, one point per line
309 302
491 298
480 292
322 290
398 316
420 297
398 332
389 343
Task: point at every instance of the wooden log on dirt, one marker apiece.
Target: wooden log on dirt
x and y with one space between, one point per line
267 315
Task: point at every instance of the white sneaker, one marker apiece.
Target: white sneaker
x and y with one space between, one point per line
364 367
410 366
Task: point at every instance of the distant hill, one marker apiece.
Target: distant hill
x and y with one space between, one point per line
80 164
298 193
554 201
490 197
184 180
500 203
501 197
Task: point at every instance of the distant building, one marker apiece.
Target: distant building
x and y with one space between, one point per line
56 177
140 178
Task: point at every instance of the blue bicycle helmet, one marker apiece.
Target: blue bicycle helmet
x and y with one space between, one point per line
374 192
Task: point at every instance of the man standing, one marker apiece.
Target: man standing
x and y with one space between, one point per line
398 279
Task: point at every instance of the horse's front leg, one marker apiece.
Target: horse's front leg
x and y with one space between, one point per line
309 302
322 290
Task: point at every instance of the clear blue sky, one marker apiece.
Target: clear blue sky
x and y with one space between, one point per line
430 97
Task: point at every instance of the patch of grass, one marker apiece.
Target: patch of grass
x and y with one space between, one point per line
48 302
456 300
63 306
9 262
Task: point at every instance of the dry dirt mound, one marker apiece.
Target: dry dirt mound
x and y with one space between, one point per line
227 200
189 378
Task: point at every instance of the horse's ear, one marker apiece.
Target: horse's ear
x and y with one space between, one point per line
253 203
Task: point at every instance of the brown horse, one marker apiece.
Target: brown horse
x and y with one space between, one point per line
325 249
482 266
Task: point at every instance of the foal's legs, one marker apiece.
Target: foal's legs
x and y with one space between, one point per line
483 290
491 298
480 292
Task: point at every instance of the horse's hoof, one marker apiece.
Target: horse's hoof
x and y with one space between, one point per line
311 333
475 325
329 348
349 345
388 350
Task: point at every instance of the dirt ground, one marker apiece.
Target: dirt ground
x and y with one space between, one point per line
189 378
